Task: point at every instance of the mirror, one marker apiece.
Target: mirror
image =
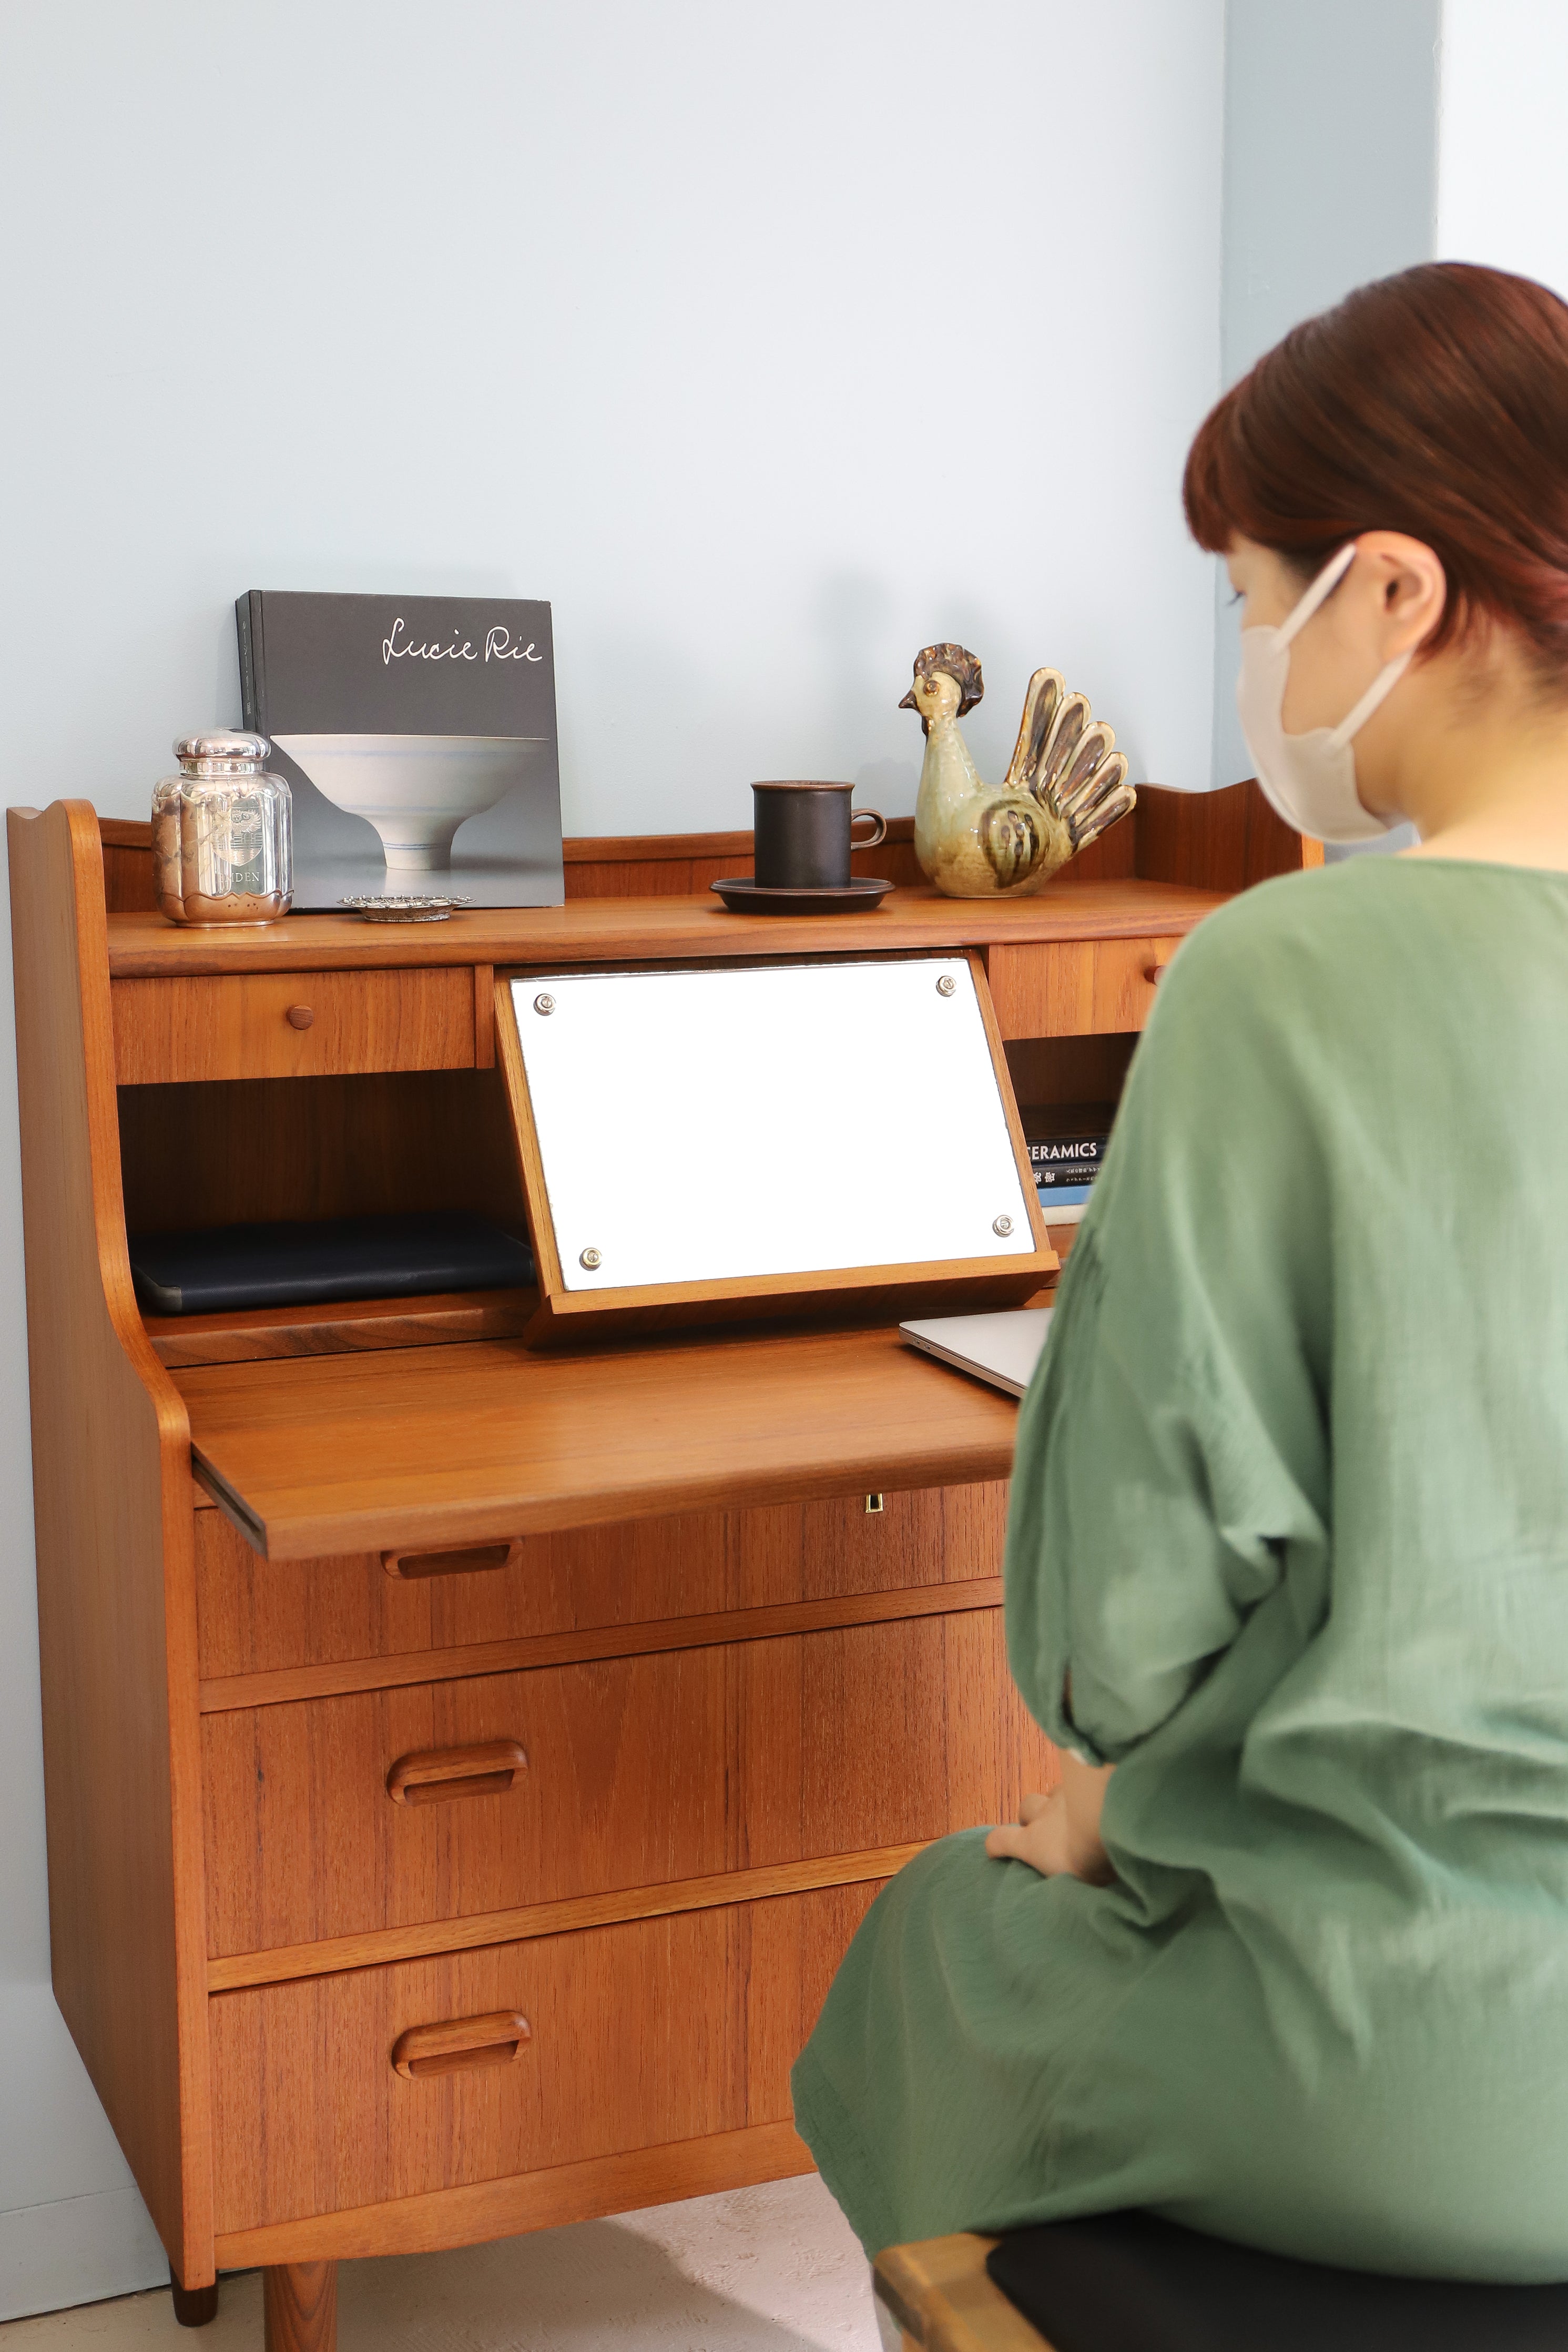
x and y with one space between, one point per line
770 1120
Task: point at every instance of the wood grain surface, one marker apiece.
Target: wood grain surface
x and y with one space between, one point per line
535 2201
673 1765
299 2307
457 2044
659 929
254 1334
469 1444
241 1151
293 1024
483 1016
677 865
1077 1070
282 1688
654 2031
1078 989
1226 840
659 1582
597 865
284 1962
942 2295
116 1619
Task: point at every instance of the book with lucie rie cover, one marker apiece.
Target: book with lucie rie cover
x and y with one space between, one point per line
418 736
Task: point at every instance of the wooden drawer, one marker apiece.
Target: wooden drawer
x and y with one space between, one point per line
640 1772
640 2034
1077 988
171 1030
258 1616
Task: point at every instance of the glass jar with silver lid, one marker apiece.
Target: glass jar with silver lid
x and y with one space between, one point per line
223 833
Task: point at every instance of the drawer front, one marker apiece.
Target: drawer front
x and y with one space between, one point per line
654 2031
258 1616
292 1024
1077 988
399 1807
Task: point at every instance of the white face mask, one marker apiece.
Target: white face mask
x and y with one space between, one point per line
1309 778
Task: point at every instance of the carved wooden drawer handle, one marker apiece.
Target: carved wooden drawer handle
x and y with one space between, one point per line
466 1561
300 1016
486 1770
1152 970
493 2041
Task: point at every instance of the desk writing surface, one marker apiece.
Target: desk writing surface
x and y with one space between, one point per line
449 1445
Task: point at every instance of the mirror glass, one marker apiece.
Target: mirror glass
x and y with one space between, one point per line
776 1119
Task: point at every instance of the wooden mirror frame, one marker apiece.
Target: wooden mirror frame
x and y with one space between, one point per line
867 1293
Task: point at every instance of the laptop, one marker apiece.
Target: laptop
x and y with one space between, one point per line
1001 1348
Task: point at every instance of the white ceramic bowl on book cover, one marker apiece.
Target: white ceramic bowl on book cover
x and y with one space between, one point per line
416 790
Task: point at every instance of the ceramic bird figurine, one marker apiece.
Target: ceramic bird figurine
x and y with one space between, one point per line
1065 784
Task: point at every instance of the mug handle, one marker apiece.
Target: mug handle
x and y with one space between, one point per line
871 839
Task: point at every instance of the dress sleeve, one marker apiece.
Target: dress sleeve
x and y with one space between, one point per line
1173 1448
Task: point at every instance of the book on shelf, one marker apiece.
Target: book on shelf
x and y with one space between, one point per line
1065 1170
1066 1142
1068 1159
418 736
1066 1148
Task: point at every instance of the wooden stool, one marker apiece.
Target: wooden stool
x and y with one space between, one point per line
941 2294
1129 2282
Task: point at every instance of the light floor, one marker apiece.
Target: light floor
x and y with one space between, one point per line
755 2270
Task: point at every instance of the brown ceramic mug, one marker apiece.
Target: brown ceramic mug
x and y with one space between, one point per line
804 833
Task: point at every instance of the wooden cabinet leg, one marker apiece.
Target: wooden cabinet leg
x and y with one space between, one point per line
300 2304
195 2306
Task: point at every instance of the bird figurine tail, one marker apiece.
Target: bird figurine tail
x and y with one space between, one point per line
1067 760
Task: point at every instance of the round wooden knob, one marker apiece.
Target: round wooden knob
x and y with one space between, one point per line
300 1016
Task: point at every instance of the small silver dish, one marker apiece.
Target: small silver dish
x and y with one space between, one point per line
404 909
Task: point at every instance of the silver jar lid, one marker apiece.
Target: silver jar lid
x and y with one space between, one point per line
220 751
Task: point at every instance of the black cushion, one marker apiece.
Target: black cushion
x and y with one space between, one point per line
1129 2283
228 1267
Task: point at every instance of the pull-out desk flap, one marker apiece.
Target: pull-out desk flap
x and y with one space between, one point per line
435 1446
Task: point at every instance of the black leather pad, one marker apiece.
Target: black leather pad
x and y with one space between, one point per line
231 1268
1129 2283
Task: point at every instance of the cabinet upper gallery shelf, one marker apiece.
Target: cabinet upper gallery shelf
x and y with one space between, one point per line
653 930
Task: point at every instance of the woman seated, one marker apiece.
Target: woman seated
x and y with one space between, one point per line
1286 1570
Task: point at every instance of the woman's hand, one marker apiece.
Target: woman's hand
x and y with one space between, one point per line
1059 1835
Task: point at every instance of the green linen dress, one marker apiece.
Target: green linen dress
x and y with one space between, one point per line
1290 1519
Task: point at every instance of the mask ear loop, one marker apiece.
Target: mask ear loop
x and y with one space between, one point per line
1327 580
1387 678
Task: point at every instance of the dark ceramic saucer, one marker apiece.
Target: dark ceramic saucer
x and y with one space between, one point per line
742 896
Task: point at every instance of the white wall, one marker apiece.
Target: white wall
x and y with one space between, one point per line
769 343
1502 172
1331 128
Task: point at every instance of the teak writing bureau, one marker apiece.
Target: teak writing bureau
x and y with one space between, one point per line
466 1766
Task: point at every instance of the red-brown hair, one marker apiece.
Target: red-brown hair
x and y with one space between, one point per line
1435 402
